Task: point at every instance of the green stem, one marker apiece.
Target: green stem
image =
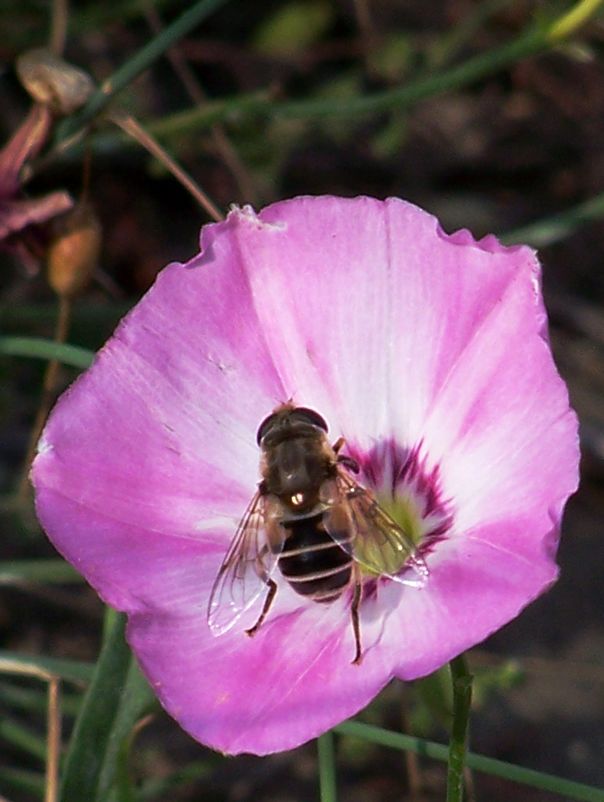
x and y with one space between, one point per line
462 698
557 227
569 22
534 41
39 348
254 104
138 64
51 570
487 765
327 767
451 78
531 43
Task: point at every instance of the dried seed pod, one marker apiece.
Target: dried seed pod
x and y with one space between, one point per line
74 251
54 82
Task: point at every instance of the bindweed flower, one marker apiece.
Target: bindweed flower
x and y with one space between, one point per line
426 352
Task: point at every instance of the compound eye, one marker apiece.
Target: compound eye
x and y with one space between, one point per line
309 416
265 426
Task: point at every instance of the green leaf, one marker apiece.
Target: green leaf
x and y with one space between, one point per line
492 680
293 27
39 348
137 700
394 57
116 699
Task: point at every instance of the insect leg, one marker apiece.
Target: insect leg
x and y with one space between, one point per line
348 462
272 590
356 626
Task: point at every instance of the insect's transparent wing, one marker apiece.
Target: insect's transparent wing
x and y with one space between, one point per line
376 542
245 570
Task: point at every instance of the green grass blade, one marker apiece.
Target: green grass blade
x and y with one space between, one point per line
116 699
557 227
39 348
22 738
139 63
52 571
35 699
487 765
137 699
29 782
70 670
84 761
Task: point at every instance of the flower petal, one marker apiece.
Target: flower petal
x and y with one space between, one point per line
160 431
132 568
15 215
289 683
25 144
396 333
478 582
366 305
501 429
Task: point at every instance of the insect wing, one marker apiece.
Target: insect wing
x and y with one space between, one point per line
377 543
244 572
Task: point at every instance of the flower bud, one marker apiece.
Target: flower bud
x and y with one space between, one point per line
52 81
74 251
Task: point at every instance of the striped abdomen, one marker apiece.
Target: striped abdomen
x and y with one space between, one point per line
312 562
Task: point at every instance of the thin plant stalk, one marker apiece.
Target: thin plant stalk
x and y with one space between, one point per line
58 26
568 23
462 698
532 42
141 61
53 740
48 395
367 30
327 767
557 227
128 124
487 765
222 143
53 719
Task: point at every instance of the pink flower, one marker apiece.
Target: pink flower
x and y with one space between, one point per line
427 352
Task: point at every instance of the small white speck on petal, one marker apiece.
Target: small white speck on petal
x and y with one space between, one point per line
247 214
43 447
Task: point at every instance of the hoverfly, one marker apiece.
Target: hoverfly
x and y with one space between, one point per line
311 519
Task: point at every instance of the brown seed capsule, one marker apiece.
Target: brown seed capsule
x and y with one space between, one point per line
74 251
54 82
